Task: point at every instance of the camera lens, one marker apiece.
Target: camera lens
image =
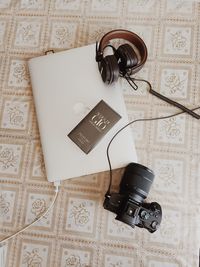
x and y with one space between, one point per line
136 182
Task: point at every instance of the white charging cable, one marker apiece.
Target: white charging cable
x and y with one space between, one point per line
56 184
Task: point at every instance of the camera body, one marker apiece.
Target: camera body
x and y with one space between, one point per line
129 204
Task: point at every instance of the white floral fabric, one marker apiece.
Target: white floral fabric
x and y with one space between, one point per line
78 232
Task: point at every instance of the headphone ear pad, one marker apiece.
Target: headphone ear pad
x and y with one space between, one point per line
109 69
126 57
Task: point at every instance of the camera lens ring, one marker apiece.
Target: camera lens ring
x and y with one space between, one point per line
136 181
142 166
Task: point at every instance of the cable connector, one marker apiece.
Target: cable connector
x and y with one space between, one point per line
57 185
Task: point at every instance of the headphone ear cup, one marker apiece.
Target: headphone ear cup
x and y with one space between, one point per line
109 69
126 57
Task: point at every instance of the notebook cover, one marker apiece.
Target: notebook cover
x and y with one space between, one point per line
60 82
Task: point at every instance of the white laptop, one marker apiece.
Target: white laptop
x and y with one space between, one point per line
66 86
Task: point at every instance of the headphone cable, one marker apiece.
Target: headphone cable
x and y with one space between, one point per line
162 97
131 82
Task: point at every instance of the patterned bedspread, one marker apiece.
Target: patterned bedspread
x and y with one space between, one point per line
78 232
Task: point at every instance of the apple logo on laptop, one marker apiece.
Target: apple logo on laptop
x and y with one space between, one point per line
81 108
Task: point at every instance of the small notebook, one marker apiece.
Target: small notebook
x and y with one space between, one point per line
66 86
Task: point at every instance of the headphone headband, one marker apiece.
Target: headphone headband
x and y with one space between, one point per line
126 35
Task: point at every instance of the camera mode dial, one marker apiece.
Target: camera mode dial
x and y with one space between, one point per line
150 216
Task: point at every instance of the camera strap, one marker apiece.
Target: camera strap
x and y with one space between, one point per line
108 193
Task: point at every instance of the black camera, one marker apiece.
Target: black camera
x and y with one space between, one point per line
129 203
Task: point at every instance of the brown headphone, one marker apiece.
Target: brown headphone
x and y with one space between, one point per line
124 60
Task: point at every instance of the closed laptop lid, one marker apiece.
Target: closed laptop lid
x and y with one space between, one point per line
66 86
